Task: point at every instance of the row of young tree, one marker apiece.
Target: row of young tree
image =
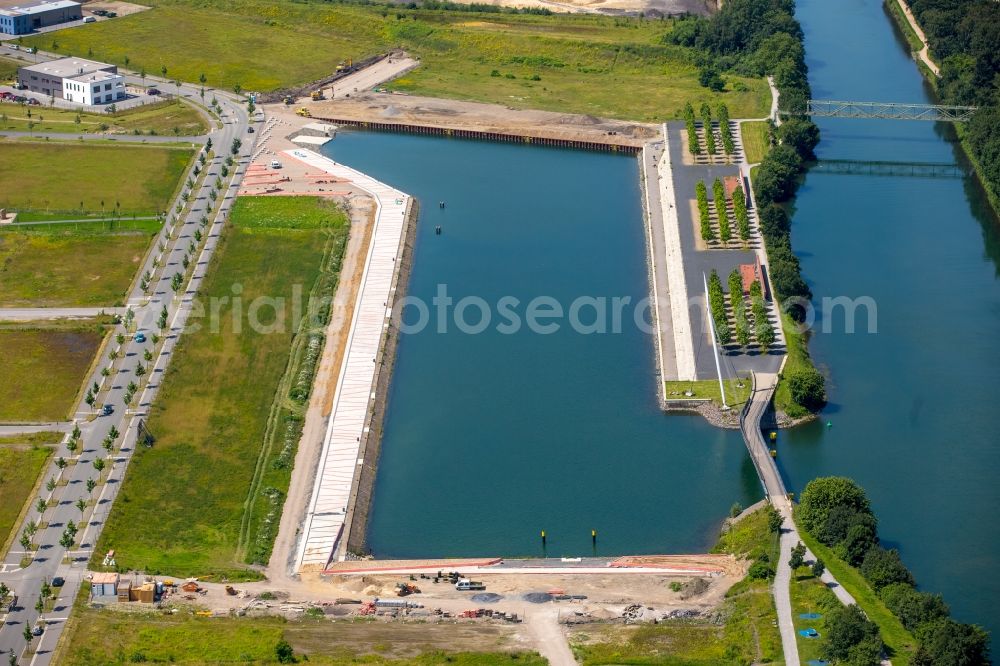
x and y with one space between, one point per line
722 213
717 304
837 512
692 129
704 216
725 131
740 211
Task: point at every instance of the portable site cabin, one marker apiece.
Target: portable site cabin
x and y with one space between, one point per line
104 587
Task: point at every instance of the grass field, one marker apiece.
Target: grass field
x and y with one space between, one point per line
899 641
73 177
8 69
746 633
43 366
171 118
810 595
183 503
108 637
737 391
756 140
22 459
71 265
599 65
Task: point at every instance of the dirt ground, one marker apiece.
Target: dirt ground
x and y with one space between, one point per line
121 8
456 114
649 7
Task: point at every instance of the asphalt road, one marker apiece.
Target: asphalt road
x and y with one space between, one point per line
49 560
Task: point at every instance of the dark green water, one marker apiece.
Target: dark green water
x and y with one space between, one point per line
492 438
913 407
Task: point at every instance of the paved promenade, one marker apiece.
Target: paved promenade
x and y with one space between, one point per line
669 282
327 511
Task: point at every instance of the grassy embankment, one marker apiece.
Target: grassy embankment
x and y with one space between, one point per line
75 179
44 365
572 63
737 391
108 637
756 143
172 118
71 265
898 640
916 44
756 140
747 632
221 419
22 459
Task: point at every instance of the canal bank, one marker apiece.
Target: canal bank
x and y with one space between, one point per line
910 407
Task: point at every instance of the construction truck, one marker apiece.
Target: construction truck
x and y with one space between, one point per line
316 95
304 112
288 100
464 584
406 589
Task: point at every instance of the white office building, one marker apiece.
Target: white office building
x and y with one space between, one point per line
77 80
94 88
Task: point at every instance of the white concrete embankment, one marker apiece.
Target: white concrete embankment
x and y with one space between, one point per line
327 510
674 262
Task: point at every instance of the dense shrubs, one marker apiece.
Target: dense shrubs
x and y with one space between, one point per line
808 388
851 638
964 38
836 511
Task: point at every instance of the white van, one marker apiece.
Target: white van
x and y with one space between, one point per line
90 19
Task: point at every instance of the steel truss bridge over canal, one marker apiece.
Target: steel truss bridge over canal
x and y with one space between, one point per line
824 108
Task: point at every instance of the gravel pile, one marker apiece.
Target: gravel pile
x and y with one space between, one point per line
486 598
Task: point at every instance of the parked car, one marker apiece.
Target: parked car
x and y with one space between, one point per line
275 164
250 130
38 630
58 581
152 91
89 19
34 102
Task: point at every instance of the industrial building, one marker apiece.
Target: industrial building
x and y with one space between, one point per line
84 82
22 17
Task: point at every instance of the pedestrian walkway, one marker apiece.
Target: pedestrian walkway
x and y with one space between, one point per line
35 314
327 512
677 292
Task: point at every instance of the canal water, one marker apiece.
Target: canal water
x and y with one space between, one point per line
913 406
492 437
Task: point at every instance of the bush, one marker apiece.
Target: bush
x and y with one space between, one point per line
822 495
840 521
761 570
851 638
913 608
800 134
950 643
883 567
808 388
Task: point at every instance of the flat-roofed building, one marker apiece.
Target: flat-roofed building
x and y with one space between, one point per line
25 16
85 82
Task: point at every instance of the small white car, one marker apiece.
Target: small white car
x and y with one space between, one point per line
275 164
